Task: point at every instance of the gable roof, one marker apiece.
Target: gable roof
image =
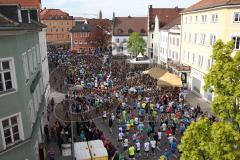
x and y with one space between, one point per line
165 16
122 25
24 3
46 13
205 4
176 21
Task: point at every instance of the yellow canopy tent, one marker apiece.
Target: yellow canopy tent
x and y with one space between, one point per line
164 78
170 79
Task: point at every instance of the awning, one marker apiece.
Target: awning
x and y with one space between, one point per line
155 72
134 61
163 77
170 79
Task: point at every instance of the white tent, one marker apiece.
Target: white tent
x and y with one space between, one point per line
81 151
140 55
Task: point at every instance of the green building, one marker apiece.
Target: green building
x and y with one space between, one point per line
22 90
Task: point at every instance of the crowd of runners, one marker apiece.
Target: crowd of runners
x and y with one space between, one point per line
145 121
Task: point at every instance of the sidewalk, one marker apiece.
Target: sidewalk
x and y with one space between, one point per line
194 100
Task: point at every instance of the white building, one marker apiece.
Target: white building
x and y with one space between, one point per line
122 29
164 16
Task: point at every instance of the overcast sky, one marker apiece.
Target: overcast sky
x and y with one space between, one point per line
90 8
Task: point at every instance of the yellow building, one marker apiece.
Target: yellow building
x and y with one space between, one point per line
202 24
59 23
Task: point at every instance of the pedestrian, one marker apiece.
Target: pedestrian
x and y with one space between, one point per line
138 146
51 154
153 145
146 147
46 132
125 144
110 123
131 152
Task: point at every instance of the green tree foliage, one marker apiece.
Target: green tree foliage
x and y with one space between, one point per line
224 80
204 140
194 142
136 44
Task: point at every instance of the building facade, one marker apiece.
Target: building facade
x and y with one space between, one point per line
123 27
164 16
80 38
22 87
58 23
202 24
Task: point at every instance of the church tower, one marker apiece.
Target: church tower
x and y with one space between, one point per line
100 14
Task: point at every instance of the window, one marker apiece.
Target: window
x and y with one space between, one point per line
193 58
185 36
177 41
173 41
25 66
31 111
204 18
50 17
196 19
236 17
176 55
186 19
7 75
38 54
214 18
188 56
117 40
199 60
202 39
152 36
34 58
236 40
62 29
12 130
189 38
212 39
209 63
30 61
51 29
190 21
67 29
184 54
170 54
195 38
56 29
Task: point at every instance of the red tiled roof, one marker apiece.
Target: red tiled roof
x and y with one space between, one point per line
205 4
103 23
122 25
176 21
24 3
165 15
46 13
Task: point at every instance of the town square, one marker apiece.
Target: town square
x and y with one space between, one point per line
120 80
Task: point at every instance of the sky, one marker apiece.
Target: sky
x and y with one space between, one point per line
91 8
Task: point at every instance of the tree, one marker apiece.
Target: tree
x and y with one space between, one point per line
136 43
218 140
195 140
101 35
224 80
204 140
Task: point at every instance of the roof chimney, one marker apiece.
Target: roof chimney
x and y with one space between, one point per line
176 8
150 6
129 16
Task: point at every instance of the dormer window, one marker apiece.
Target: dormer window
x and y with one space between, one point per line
152 26
120 30
130 31
56 17
50 17
62 17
